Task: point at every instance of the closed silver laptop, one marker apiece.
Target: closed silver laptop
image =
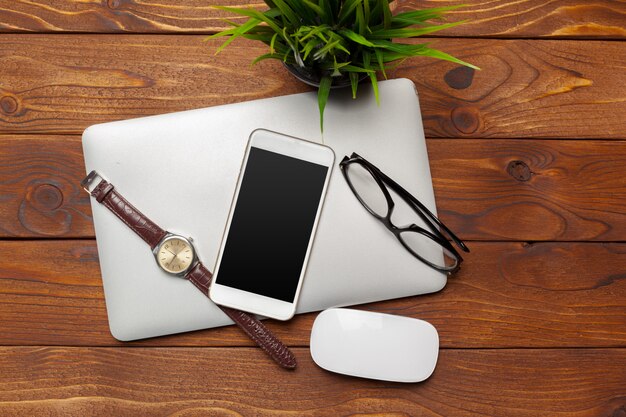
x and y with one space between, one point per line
181 170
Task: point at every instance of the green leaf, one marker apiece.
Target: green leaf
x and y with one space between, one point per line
410 33
354 82
272 42
330 11
286 11
322 97
395 63
401 48
315 8
309 47
336 72
381 61
397 23
302 11
238 32
375 87
321 53
333 5
346 10
296 53
367 58
230 22
426 14
286 56
360 20
386 13
226 32
315 31
262 29
390 56
434 53
350 68
355 37
267 56
377 15
266 17
340 65
263 37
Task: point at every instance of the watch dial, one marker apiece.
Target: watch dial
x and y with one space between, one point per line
175 255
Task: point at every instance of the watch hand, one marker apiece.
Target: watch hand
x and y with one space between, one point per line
171 252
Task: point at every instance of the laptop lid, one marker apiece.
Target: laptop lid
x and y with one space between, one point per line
181 170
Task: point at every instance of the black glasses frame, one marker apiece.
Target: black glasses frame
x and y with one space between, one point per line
433 223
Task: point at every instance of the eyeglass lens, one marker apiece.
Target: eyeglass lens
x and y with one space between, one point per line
403 215
428 249
367 189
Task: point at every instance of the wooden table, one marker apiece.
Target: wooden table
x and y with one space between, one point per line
528 160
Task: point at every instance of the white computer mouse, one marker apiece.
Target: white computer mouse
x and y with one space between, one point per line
374 345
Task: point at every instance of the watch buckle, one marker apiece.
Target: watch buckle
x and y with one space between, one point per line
86 182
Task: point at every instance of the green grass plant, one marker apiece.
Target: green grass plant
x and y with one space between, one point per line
339 38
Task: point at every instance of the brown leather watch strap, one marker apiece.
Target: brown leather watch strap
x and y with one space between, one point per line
261 335
105 193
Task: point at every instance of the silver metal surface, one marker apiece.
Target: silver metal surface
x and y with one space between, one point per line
86 182
181 170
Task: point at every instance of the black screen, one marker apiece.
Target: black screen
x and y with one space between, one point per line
271 225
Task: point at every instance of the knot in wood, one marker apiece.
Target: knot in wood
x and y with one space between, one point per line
459 78
114 4
8 104
465 119
519 170
46 197
620 412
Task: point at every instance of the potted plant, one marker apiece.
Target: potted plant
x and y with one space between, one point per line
333 43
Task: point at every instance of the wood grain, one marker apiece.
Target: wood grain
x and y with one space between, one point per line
117 16
40 190
501 18
532 18
527 329
530 190
539 89
506 295
236 382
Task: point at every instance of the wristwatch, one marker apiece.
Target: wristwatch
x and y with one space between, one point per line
176 255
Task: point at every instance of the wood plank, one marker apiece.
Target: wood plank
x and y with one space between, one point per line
194 382
40 192
572 19
506 295
530 190
117 16
501 18
528 88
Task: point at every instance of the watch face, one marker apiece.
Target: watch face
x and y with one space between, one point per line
175 255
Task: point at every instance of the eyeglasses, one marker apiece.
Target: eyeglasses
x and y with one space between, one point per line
372 188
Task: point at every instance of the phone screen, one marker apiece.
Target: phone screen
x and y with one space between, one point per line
271 225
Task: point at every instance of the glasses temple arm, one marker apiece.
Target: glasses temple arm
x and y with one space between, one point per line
422 210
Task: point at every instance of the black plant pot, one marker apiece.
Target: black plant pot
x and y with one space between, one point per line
312 77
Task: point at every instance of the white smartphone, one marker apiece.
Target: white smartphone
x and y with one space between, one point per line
271 225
